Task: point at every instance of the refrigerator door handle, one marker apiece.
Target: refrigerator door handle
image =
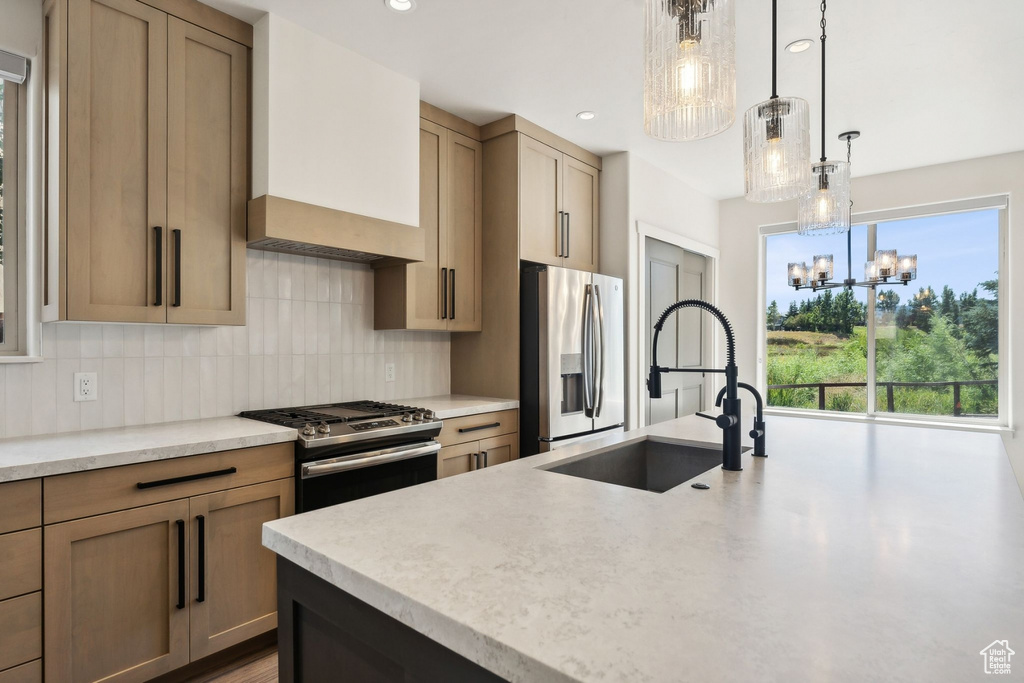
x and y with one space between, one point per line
588 351
597 321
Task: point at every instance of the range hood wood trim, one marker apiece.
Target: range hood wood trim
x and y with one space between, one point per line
277 218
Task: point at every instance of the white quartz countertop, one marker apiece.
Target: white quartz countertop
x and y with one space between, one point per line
43 456
459 405
853 552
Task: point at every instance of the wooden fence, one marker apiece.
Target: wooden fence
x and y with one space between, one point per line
889 386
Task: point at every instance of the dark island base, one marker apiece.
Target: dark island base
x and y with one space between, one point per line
327 635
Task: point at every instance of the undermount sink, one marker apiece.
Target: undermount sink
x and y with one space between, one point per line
647 465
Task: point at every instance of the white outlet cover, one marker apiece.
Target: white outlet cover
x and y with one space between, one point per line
389 372
86 386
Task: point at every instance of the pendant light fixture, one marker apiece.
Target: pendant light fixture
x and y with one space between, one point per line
825 207
777 141
689 69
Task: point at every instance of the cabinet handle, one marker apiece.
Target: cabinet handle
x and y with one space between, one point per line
463 430
561 233
201 558
476 461
177 267
187 477
484 454
452 273
568 230
159 301
181 563
444 293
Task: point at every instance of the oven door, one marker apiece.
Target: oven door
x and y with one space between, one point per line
332 480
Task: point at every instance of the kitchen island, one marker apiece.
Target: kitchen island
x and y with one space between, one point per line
854 552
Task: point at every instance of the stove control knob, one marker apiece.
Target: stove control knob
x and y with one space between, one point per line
323 428
428 414
309 430
418 417
407 417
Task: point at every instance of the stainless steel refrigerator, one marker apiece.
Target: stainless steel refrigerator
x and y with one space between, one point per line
572 365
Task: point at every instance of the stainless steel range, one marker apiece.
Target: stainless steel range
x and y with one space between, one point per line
347 451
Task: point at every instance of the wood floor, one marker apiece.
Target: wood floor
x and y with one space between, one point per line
257 667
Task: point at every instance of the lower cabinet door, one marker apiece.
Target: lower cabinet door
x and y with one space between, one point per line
499 449
457 459
115 607
233 593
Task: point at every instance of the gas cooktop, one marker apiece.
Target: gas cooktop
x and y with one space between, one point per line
337 423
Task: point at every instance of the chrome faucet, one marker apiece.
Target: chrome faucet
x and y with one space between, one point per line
729 420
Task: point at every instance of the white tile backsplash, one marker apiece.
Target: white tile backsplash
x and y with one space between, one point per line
309 339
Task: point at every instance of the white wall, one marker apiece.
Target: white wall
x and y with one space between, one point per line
332 128
1003 174
633 190
309 339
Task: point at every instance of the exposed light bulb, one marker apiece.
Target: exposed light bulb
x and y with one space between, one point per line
686 77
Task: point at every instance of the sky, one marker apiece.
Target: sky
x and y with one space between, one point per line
959 250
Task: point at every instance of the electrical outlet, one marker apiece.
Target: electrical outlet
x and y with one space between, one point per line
389 372
86 386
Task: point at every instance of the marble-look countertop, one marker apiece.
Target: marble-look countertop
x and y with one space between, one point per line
459 405
43 456
853 552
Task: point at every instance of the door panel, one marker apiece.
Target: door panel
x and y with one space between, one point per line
674 274
117 163
612 318
111 596
500 449
580 201
457 459
240 591
561 315
540 198
423 280
207 183
465 230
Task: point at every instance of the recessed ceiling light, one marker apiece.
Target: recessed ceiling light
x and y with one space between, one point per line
800 45
586 115
403 6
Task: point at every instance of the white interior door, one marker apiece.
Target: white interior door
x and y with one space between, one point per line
672 274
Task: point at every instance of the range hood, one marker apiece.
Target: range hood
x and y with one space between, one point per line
335 151
291 227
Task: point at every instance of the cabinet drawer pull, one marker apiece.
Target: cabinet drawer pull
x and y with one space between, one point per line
463 430
484 456
187 477
181 563
476 462
159 301
201 558
177 267
444 293
452 273
568 231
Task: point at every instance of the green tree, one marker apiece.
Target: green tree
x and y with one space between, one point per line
948 306
887 301
981 324
772 316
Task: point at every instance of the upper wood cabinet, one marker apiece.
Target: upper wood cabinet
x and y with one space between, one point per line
146 164
444 291
558 207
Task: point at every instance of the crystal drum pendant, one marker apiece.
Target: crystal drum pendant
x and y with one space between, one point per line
797 274
825 209
690 68
777 149
776 141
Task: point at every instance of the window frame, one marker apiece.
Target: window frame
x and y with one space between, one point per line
871 219
13 342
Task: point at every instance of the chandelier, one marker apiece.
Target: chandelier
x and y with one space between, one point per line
689 69
776 141
825 207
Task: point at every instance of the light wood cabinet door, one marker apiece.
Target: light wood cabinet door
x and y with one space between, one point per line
234 578
207 134
500 449
457 459
465 232
424 287
580 199
117 160
112 589
540 200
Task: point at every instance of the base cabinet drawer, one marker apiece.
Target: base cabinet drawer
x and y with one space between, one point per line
21 630
21 563
19 505
477 427
26 673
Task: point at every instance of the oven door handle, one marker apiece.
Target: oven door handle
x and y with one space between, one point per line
321 468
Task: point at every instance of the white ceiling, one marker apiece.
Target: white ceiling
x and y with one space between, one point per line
926 81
